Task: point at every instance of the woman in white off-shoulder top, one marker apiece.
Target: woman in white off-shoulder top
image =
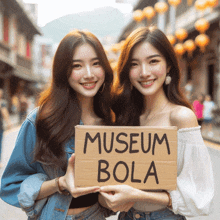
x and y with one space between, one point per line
148 94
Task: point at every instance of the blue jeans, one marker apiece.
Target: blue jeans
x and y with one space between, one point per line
164 214
96 212
1 136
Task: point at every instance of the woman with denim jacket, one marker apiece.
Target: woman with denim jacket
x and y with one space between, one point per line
148 94
39 177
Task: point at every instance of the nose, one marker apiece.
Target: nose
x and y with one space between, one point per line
89 73
144 71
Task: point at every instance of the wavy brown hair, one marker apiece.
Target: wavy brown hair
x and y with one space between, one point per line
128 101
59 110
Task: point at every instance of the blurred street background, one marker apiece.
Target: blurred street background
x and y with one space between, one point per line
30 31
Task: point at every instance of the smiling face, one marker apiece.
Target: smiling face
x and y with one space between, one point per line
148 69
87 74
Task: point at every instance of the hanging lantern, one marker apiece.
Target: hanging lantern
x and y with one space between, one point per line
149 12
161 7
201 5
202 41
181 34
202 25
189 46
212 3
138 15
174 3
171 39
179 49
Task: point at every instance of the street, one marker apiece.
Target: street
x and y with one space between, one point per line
8 212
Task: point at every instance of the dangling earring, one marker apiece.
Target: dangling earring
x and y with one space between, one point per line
168 80
103 86
131 86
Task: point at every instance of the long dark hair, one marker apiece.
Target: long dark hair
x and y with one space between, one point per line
128 101
59 110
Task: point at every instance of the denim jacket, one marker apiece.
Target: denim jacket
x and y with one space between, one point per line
22 178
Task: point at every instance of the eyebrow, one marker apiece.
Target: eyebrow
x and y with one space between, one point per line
96 58
150 57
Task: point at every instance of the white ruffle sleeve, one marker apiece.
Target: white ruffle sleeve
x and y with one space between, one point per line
195 181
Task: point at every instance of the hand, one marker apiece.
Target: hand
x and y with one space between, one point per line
67 182
119 197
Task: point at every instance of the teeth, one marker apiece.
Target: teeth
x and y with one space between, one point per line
147 83
88 84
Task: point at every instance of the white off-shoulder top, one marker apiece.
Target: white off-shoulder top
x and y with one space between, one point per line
195 181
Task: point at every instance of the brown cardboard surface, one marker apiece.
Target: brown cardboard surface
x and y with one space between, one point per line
142 157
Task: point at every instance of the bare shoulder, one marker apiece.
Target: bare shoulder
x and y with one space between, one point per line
183 117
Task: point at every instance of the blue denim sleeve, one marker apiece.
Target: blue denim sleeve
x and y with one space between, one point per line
29 190
21 165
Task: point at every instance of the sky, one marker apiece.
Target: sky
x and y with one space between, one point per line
49 10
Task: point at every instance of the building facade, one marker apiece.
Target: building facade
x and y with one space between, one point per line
17 31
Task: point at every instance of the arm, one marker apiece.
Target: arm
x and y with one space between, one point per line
65 182
20 165
195 182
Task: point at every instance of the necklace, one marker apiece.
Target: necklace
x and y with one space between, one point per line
160 111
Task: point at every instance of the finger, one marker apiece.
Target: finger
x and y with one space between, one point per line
106 195
85 190
72 159
71 162
109 188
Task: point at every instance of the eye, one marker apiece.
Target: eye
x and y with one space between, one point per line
96 63
76 66
133 64
154 61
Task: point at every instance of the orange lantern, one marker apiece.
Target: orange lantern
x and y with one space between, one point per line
212 3
189 46
172 39
202 41
202 25
174 3
161 7
179 49
181 34
149 12
201 5
138 15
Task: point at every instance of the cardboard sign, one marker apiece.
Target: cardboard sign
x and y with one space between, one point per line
142 157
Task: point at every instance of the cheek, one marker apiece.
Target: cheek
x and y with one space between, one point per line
99 72
160 70
134 74
75 75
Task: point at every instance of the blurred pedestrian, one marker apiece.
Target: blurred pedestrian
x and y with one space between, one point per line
23 107
198 108
4 116
209 106
31 104
189 90
15 104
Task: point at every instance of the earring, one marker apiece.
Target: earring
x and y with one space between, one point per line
168 80
103 86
